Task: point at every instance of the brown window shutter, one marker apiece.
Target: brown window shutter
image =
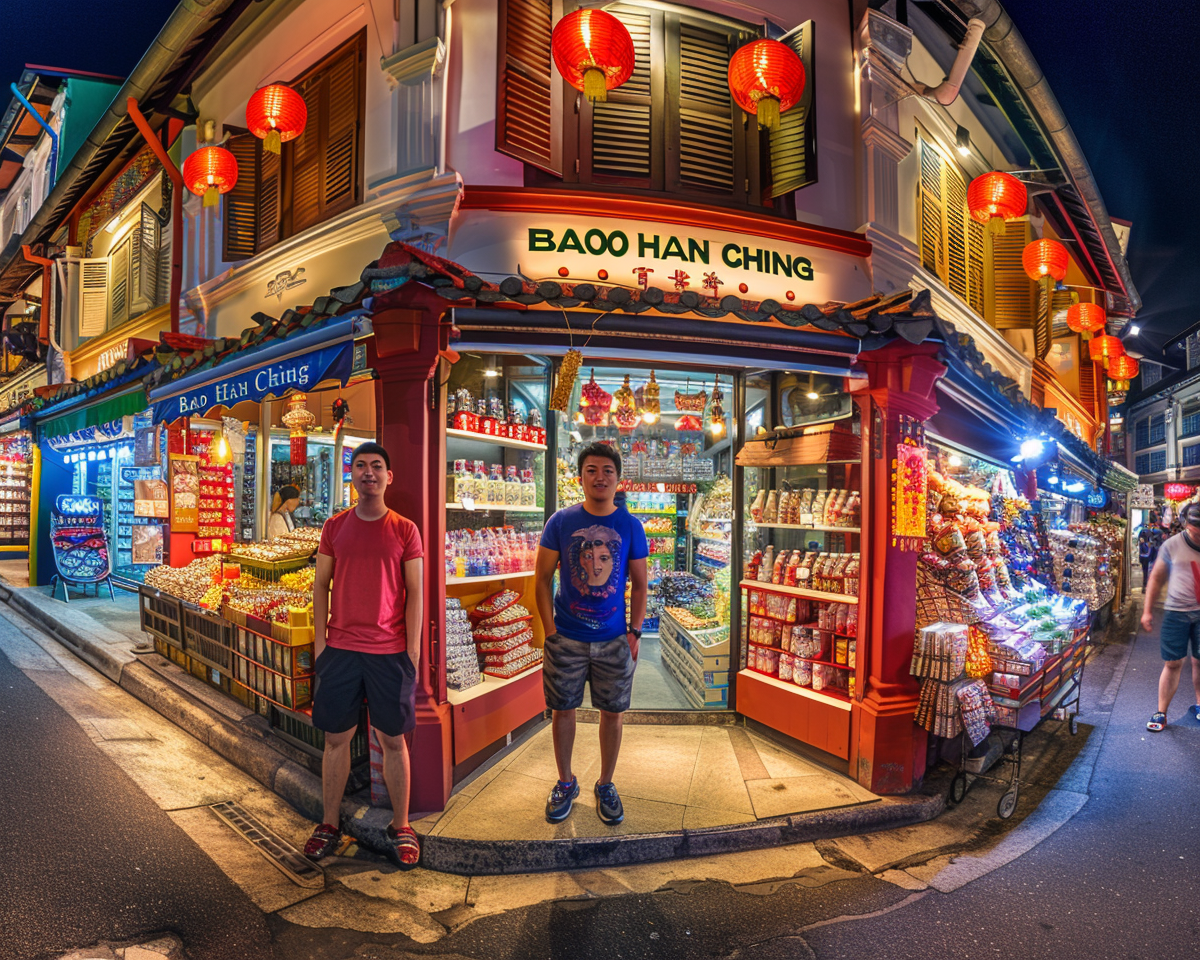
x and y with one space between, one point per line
794 144
931 214
343 140
241 235
706 127
955 192
624 138
976 241
270 184
1012 301
525 126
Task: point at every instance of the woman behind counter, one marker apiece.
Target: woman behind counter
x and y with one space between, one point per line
287 499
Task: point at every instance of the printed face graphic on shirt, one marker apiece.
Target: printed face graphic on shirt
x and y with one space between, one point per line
592 560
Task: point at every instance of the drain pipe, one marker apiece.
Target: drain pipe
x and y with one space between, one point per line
946 92
62 282
45 126
46 264
172 171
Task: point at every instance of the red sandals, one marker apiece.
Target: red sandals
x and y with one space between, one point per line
404 849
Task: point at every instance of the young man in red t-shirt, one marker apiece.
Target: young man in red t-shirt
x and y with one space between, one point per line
368 644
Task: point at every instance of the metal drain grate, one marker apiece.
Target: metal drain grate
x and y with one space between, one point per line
288 859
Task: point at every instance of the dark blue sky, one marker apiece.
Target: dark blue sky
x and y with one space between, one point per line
1124 73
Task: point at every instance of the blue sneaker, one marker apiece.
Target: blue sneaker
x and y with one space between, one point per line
1194 711
562 798
608 804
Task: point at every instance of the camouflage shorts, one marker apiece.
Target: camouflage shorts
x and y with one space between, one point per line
607 667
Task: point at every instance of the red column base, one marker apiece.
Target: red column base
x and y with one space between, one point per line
889 748
432 758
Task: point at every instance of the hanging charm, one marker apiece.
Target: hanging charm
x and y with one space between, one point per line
560 398
299 419
625 411
595 403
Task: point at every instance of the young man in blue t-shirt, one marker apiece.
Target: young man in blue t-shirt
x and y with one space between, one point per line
594 545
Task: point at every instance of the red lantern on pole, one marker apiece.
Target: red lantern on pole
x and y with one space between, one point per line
1105 348
1122 369
593 51
1044 259
276 114
766 78
995 198
1086 318
209 172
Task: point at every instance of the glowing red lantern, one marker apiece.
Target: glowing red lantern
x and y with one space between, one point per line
994 198
1045 258
1122 369
1086 318
276 114
766 78
1105 348
209 172
593 51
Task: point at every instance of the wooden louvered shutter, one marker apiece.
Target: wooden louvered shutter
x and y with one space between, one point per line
976 240
305 181
93 296
1012 299
268 199
119 291
956 216
625 144
145 261
702 120
930 209
240 228
794 144
526 126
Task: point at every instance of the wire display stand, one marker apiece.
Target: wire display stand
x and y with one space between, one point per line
1053 691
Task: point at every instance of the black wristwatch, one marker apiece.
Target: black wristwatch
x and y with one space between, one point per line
637 633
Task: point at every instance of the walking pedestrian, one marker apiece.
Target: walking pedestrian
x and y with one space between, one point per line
1147 554
595 545
371 647
1178 567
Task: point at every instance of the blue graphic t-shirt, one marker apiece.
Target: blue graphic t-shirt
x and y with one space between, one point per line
593 561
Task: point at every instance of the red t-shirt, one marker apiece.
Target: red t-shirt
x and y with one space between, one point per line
367 602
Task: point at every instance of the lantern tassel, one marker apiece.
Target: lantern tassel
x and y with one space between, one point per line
595 85
212 197
996 226
272 142
768 113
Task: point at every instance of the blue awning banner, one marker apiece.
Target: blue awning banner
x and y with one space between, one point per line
270 380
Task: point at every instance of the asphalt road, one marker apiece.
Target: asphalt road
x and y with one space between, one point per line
86 856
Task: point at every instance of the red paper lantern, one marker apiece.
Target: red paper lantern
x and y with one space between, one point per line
996 197
766 78
1105 348
1086 317
209 172
1045 258
276 114
593 51
1123 369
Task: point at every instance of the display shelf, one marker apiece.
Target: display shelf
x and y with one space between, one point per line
824 663
814 527
489 578
654 513
494 508
798 591
839 700
712 539
712 562
451 433
489 685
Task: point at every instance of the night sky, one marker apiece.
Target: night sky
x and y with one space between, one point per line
1124 73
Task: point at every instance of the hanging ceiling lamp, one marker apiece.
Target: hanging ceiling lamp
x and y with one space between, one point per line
1086 317
716 418
299 418
219 451
651 405
995 198
276 114
1045 259
766 78
593 51
1105 348
209 172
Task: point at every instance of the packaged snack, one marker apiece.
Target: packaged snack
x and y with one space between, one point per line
785 665
802 673
498 601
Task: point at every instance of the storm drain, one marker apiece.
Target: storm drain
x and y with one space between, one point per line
298 868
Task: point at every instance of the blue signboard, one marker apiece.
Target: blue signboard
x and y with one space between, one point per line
1097 499
271 379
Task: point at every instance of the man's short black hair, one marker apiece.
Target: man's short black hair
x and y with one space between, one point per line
1190 513
598 449
370 447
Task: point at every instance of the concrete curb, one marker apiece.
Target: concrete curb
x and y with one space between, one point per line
246 744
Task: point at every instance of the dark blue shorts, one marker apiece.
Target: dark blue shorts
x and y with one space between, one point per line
1179 631
344 678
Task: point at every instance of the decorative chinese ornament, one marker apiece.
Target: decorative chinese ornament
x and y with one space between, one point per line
1122 369
625 411
1104 348
276 114
209 172
298 419
910 496
688 421
593 51
1045 259
979 662
651 406
995 198
595 402
1086 317
560 398
716 417
766 78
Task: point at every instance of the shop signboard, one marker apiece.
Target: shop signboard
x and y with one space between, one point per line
185 493
644 253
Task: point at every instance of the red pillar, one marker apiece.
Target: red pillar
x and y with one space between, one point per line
406 346
887 749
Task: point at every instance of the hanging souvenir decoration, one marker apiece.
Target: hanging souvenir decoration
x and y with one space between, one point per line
766 78
716 419
276 114
560 398
995 198
979 662
299 419
909 496
625 411
649 401
341 412
595 403
691 402
1086 318
688 421
593 51
210 172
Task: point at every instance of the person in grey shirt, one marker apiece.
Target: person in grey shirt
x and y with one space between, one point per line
1178 567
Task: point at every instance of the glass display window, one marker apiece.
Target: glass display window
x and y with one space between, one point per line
16 470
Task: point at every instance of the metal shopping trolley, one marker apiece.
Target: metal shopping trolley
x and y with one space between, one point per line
1053 691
